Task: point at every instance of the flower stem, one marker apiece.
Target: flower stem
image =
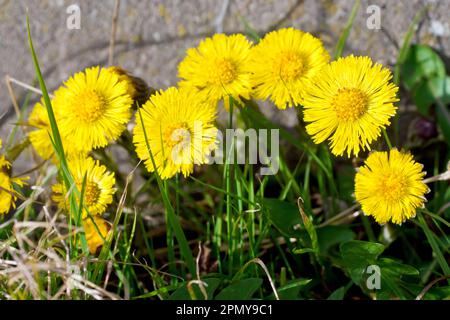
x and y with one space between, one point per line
386 137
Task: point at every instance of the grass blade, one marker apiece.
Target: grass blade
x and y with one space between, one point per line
345 33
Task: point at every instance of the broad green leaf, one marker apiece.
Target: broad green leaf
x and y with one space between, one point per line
357 255
393 268
182 293
392 282
443 123
329 236
428 91
284 216
338 294
421 63
240 290
291 290
360 253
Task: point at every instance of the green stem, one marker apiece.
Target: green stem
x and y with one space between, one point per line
386 137
171 217
229 213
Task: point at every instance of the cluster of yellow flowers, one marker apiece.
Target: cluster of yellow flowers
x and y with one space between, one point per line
347 102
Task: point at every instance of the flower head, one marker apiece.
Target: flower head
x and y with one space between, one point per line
40 136
94 108
96 230
390 186
217 68
8 195
180 131
283 63
349 102
41 132
98 188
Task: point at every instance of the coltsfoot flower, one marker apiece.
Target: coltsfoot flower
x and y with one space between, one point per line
99 186
40 134
8 195
349 102
389 186
283 63
180 131
218 68
96 230
94 107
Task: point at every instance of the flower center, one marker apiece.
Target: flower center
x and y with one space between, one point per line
176 133
225 71
350 104
91 192
289 66
89 106
393 187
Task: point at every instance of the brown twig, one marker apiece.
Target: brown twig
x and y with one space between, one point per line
429 286
112 39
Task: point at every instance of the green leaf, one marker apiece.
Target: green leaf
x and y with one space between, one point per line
291 290
428 91
338 294
240 290
403 52
444 124
394 269
329 236
421 63
360 253
182 293
284 216
56 140
392 284
357 255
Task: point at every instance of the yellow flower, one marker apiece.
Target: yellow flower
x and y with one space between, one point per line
40 138
283 63
41 131
94 108
180 132
99 186
390 186
8 195
218 68
96 230
349 102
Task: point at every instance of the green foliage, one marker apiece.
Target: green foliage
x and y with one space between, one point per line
240 290
424 74
192 291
